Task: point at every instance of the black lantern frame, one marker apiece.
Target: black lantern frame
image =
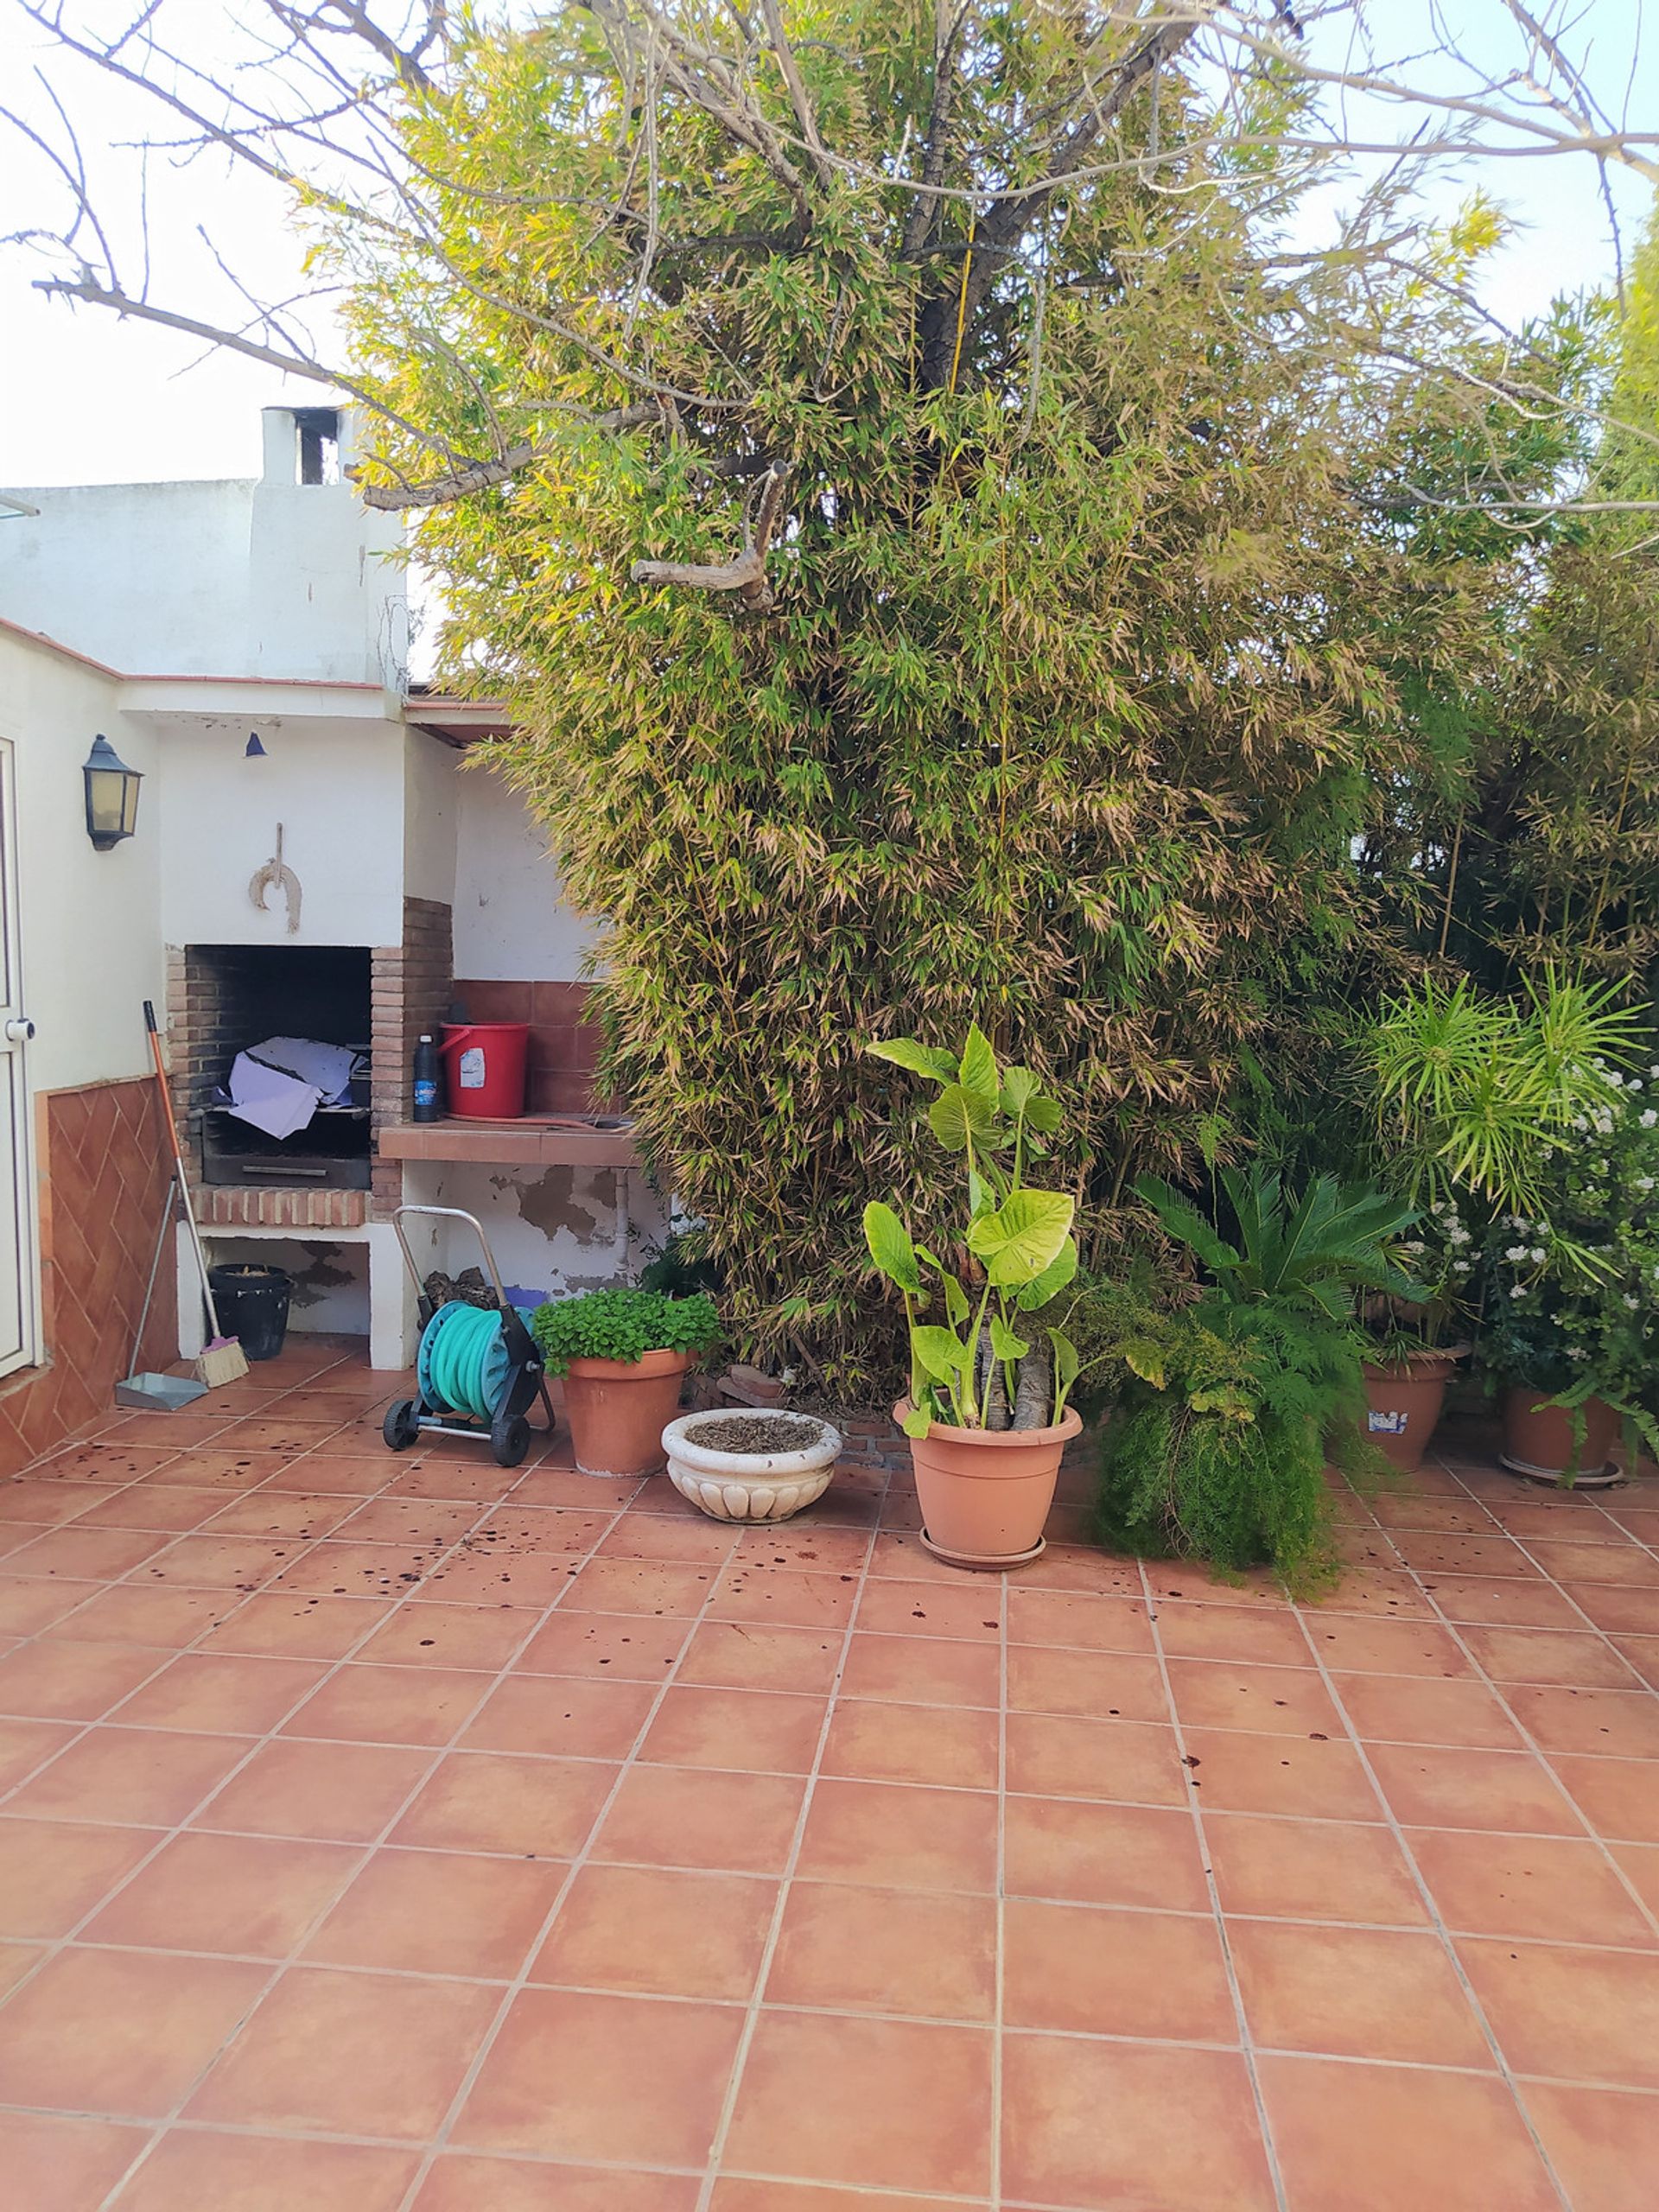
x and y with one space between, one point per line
112 791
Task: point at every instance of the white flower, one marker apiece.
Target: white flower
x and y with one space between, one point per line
1635 1084
1460 1236
1577 1351
1649 1117
1653 1074
1615 1079
1518 1291
1644 1182
1581 1120
1537 1255
1466 1267
1515 1253
1631 1302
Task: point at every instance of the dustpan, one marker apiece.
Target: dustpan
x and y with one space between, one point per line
162 1394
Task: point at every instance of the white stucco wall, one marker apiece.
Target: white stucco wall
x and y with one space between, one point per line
553 1231
234 578
91 937
337 788
512 923
431 816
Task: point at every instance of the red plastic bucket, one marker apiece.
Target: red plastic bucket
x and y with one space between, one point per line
484 1069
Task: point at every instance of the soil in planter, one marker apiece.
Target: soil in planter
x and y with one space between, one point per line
760 1435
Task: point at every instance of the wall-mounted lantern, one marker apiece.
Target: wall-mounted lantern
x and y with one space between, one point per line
111 796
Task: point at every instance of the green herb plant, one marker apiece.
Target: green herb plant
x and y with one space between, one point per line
977 1368
621 1325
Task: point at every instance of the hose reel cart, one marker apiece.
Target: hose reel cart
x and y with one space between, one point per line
479 1370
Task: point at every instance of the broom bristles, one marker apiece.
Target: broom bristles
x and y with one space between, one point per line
222 1361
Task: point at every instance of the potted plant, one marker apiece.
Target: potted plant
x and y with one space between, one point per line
1416 1338
622 1355
1219 1445
1497 1111
745 1462
986 1413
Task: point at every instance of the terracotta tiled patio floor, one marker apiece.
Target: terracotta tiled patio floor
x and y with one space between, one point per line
393 1832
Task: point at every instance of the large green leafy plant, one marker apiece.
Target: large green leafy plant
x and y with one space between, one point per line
979 1367
1232 1401
622 1324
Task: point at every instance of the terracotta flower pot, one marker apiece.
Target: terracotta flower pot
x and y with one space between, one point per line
1538 1440
618 1409
985 1493
1405 1398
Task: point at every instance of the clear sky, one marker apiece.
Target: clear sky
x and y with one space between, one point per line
85 398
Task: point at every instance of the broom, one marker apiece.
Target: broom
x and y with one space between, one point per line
223 1359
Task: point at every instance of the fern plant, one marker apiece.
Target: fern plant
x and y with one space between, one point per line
1219 1446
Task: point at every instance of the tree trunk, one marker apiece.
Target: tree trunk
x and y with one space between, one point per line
1031 1394
986 1363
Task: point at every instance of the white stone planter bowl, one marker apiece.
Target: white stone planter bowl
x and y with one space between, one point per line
749 1486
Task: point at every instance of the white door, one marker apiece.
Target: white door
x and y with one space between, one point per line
17 1273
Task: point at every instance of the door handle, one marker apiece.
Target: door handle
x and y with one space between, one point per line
19 1032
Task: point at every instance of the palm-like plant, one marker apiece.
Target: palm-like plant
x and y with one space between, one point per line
1314 1250
1478 1094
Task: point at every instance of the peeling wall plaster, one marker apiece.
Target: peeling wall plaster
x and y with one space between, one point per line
553 1231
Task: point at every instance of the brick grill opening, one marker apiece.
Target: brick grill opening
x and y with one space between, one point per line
222 999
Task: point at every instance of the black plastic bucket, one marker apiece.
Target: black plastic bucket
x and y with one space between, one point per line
252 1304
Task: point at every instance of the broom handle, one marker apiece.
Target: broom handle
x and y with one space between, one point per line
178 1161
154 1269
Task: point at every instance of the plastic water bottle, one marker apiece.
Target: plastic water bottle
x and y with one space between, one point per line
426 1106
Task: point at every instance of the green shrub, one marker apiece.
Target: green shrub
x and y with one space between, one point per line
621 1325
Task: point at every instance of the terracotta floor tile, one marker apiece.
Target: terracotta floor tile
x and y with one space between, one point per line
736 2194
519 1529
207 1562
1241 1633
869 1951
448 1636
552 1485
63 1680
423 1523
14 1535
955 1747
1638 1657
1620 1611
1404 1710
165 1619
286 1625
433 1476
64 2165
254 1896
1075 2132
266 1512
1085 1567
648 1930
1496 1601
545 1713
119 2032
334 1568
440 1912
917 1669
485 1800
1432 1552
53 1873
1429 1786
27 1744
43 1505
683 1816
408 2043
1545 1888
928 1608
162 1506
1311 1870
1081 1970
29 1607
104 1463
577 2075
1604 2144
1639 1864
892 1836
223 1691
1354 1992
883 2104
1534 1656
651 1587
768 1732
490 1576
390 1705
1238 1772
605 1645
1103 1855
1621 1724
1573 1565
207 1466
1417 1509
460 2183
288 1433
797 1598
86 1555
153 1777
1065 1619
1127 1687
1274 1700
1373 2139
340 1793
192 2171
1053 1755
730 1655
1588 2015
328 1473
17 1959
801 1543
